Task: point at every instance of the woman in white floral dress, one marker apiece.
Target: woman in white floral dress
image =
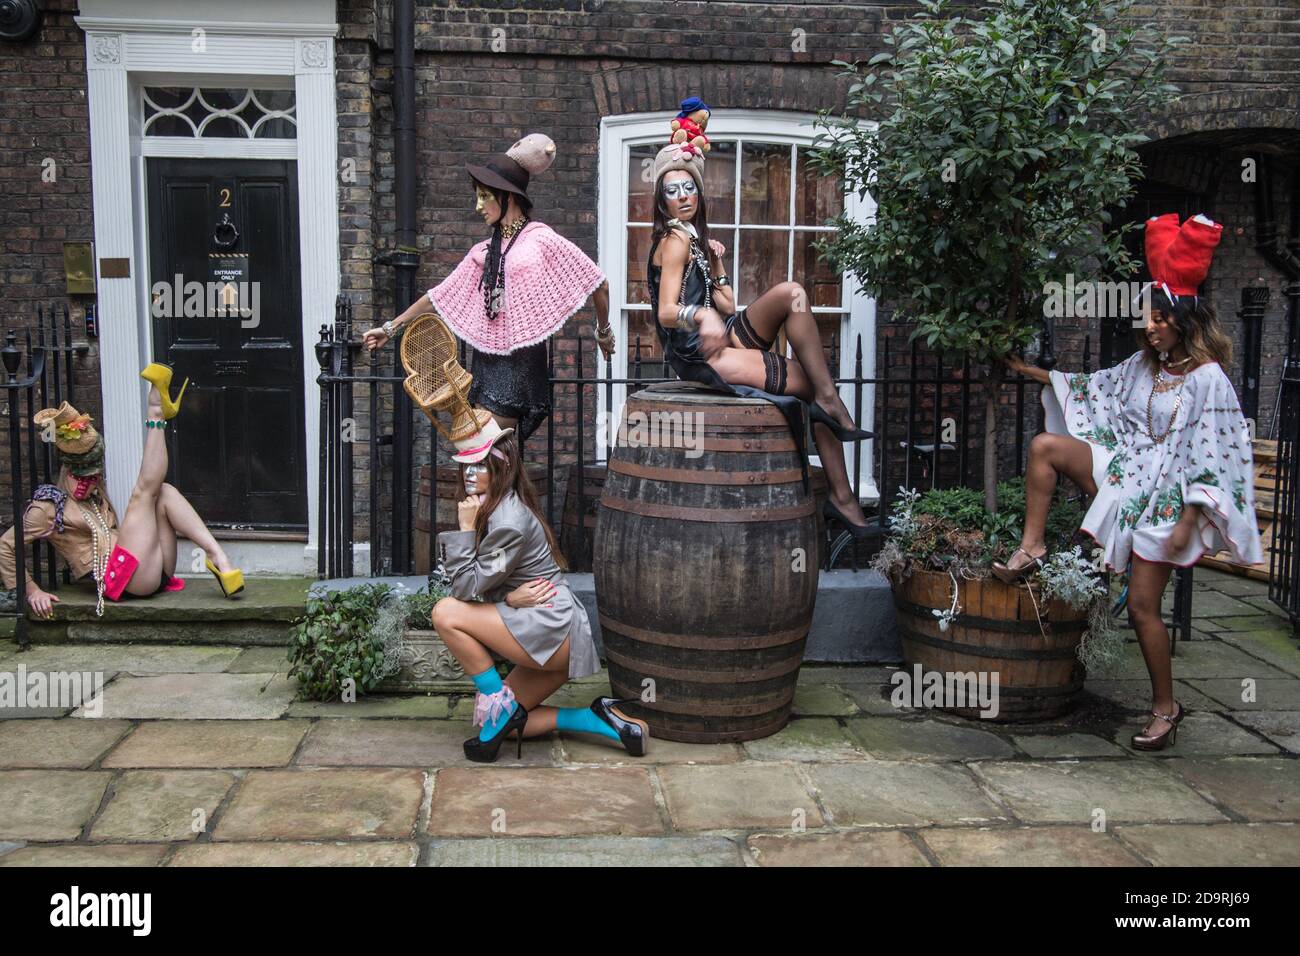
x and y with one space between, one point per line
1160 444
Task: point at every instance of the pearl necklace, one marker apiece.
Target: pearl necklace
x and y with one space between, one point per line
98 563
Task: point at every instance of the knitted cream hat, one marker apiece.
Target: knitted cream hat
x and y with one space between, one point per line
681 156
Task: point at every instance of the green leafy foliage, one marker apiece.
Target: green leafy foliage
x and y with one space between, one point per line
951 526
335 641
1006 136
419 606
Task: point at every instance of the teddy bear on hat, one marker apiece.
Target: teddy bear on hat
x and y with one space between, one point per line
688 125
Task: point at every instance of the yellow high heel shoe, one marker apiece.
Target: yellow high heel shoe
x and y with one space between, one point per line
232 582
160 377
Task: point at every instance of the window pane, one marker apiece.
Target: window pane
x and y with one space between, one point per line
765 187
763 256
225 127
640 182
638 248
169 126
822 284
819 197
277 128
720 183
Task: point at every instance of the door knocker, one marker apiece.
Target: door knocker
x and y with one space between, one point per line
225 235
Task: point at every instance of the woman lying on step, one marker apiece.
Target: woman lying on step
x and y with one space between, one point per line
136 557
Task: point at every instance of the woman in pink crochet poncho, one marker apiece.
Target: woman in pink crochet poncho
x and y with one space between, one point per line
512 292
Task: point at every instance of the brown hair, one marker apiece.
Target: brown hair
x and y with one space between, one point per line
1198 327
505 476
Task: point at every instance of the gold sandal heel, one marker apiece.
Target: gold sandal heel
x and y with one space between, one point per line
1009 575
1145 741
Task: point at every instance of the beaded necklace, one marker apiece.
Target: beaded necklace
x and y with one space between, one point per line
1160 385
98 562
494 290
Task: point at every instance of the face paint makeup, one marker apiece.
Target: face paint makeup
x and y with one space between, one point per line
680 189
85 487
471 477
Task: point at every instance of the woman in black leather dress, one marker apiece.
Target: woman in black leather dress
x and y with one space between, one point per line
706 340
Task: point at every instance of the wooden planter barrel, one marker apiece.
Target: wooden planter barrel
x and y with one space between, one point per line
996 630
706 568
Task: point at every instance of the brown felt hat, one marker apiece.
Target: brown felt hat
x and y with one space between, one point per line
512 169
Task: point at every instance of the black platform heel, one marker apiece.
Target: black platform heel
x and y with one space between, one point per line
823 417
831 513
485 751
632 733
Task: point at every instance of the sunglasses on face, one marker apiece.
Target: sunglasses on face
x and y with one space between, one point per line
680 189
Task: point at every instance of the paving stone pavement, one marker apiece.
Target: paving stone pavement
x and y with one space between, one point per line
202 756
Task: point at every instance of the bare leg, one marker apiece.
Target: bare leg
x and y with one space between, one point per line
139 529
166 535
1049 455
180 515
532 686
745 367
785 307
1147 580
472 631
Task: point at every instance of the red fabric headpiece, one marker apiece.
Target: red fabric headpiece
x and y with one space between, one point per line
1178 257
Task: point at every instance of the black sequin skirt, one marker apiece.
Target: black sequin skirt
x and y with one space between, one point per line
513 386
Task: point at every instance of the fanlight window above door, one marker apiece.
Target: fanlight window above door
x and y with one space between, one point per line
204 113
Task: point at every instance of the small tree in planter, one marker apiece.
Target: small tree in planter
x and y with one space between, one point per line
1008 134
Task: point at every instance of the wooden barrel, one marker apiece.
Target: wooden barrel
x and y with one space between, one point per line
451 489
705 565
995 631
578 535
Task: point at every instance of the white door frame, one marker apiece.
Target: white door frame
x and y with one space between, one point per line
121 56
619 133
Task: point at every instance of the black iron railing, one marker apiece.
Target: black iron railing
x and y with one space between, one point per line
921 417
38 374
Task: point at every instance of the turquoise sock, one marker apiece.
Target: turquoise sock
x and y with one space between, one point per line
582 720
489 682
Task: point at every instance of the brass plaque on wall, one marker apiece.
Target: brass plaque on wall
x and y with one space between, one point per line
79 268
115 268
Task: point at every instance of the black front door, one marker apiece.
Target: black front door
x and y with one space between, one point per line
227 313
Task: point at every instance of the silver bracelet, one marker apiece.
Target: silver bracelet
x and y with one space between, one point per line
686 316
722 281
389 328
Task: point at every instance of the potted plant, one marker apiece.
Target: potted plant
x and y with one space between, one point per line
423 664
372 638
336 651
955 619
1007 136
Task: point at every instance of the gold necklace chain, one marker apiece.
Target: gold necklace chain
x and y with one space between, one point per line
98 563
1164 385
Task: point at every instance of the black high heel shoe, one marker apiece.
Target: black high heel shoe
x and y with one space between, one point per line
823 417
831 513
632 733
485 751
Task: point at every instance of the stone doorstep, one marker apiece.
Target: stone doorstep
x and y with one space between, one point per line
261 615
